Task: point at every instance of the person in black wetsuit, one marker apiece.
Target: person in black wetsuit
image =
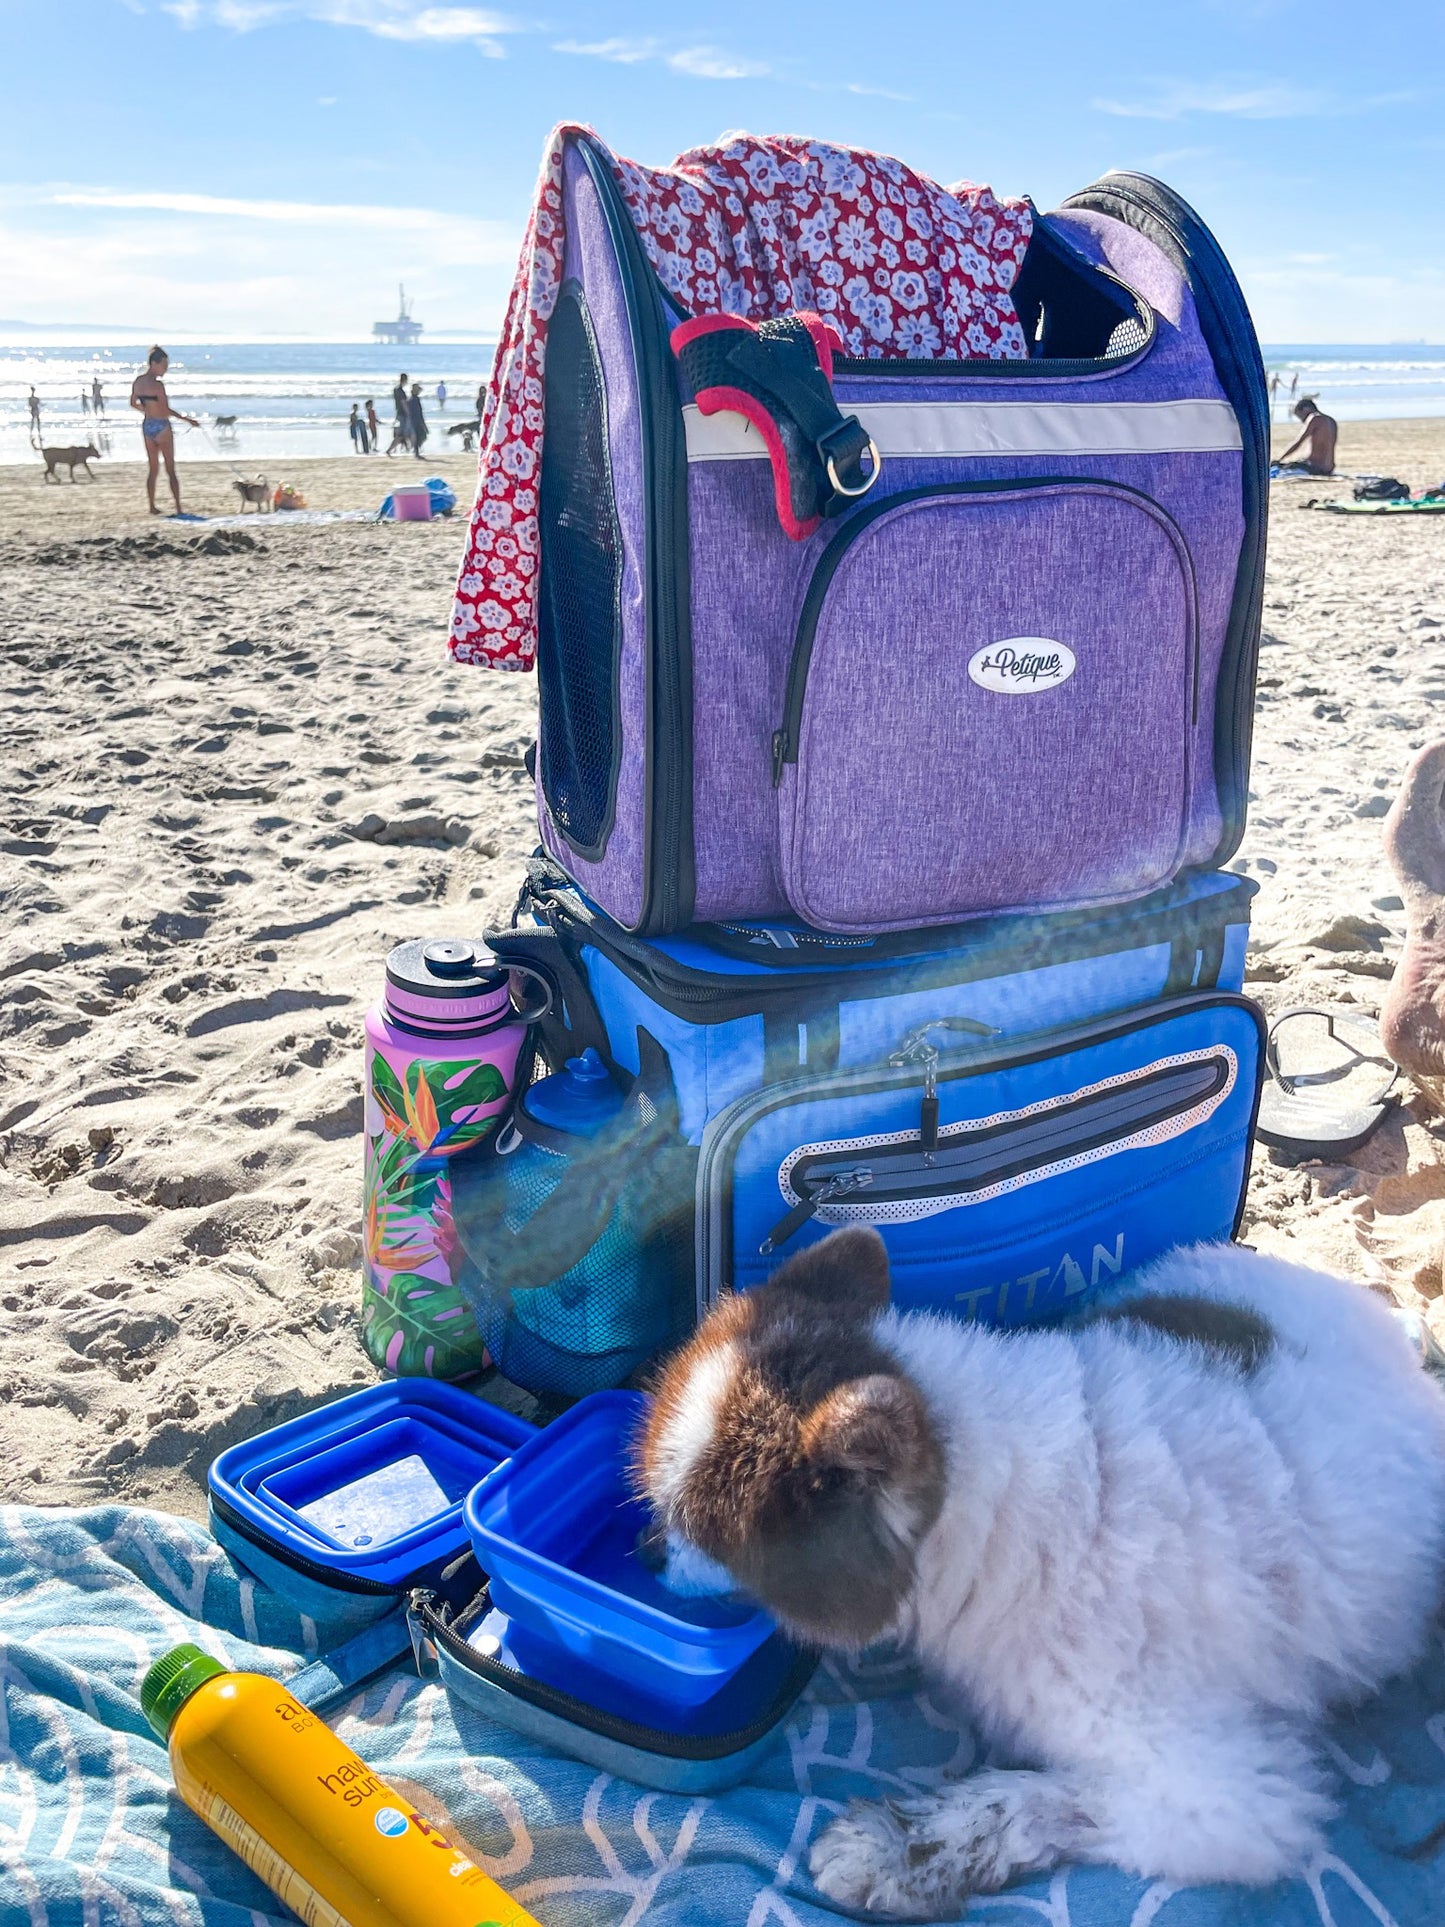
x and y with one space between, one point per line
416 420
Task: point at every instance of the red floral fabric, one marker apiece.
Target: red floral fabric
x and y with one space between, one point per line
899 265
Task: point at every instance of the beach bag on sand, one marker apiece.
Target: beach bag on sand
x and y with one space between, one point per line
1012 665
1026 1107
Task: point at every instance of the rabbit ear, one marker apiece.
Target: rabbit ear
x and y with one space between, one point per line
846 1271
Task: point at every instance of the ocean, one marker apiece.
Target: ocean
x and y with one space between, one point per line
292 399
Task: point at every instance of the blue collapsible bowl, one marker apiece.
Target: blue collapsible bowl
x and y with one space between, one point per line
556 1528
363 1496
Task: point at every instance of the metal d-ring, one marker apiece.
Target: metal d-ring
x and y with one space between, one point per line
872 477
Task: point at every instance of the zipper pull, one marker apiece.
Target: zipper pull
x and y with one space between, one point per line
928 1111
780 756
828 1192
423 1647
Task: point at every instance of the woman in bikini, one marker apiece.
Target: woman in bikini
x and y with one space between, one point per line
148 397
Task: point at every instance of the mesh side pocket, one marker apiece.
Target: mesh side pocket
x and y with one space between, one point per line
579 618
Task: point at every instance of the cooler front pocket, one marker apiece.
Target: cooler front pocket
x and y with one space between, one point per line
1024 740
1007 1180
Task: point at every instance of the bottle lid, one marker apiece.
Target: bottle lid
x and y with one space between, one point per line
171 1681
449 967
580 1098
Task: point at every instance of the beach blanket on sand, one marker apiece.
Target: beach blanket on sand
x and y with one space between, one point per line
91 1834
897 265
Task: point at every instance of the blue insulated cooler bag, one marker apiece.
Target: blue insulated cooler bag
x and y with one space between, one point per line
1026 1108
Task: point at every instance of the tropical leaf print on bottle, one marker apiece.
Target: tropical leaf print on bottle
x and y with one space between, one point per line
414 1319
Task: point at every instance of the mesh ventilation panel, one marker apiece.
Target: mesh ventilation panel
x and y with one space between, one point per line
579 622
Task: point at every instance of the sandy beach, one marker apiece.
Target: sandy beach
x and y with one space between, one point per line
238 768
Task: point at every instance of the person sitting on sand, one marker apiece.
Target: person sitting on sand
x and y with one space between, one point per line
148 397
1318 440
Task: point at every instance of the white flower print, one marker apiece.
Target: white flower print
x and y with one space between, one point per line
854 242
749 228
908 289
519 461
917 337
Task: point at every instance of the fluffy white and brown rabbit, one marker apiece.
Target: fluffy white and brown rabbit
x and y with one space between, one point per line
1149 1551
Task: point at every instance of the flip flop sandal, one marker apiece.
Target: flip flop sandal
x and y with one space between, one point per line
1311 1122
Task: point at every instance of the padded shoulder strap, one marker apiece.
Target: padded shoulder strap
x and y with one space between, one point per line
779 374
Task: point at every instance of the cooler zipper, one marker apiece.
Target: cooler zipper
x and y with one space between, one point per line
714 1173
724 994
786 737
1117 1116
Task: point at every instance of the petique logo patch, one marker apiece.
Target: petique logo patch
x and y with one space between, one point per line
1022 665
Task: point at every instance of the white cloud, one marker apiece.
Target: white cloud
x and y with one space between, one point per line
710 63
1173 100
626 53
699 63
305 213
481 27
202 264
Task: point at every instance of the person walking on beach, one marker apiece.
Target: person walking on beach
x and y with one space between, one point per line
34 412
441 398
356 428
1321 431
416 420
97 396
84 402
400 401
373 426
481 400
148 397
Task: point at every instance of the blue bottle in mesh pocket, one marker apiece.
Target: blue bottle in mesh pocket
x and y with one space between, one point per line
577 1287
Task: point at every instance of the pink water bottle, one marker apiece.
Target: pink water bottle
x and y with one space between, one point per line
443 1047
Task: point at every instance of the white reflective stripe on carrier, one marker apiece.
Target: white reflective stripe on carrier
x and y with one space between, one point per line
924 428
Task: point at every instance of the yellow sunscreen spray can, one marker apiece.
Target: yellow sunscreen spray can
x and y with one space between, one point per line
304 1813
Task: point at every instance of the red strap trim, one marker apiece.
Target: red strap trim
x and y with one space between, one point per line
712 401
708 324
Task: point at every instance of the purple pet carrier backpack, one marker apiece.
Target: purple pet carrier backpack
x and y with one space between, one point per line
1016 673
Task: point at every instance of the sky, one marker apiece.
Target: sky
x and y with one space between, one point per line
260 168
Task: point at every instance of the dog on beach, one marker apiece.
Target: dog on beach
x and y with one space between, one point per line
256 492
1148 1552
70 459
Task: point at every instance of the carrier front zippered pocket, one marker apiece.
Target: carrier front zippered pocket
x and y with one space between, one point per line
1028 741
1129 1134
